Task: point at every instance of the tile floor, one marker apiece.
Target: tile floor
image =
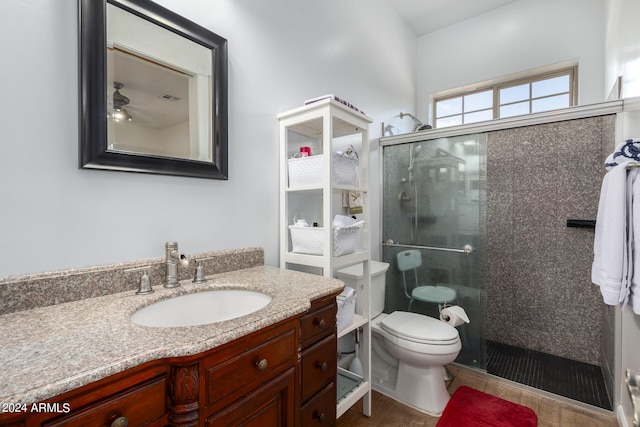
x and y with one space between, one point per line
551 413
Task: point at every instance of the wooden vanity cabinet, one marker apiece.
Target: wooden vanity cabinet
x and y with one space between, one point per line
282 375
251 381
318 364
297 385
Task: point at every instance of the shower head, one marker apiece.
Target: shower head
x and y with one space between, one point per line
414 150
415 119
418 126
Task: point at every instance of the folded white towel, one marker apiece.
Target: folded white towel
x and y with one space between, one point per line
610 269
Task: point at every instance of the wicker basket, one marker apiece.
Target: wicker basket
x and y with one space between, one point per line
307 171
309 240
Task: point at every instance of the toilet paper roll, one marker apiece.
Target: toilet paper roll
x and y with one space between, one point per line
454 315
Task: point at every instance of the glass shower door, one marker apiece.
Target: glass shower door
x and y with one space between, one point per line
434 195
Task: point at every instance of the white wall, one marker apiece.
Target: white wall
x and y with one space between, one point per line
55 216
623 46
520 36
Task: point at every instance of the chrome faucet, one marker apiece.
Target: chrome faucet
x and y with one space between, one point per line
172 258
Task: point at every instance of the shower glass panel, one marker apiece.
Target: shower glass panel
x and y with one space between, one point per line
434 194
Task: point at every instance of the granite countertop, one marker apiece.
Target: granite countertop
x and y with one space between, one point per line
50 350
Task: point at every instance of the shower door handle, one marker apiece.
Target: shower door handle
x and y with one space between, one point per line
466 249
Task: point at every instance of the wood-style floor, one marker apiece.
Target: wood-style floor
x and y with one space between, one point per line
387 412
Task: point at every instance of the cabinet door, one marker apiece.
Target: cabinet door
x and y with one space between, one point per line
271 405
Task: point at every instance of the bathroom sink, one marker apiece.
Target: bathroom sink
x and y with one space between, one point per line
201 308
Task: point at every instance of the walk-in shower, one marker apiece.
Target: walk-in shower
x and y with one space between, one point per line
488 213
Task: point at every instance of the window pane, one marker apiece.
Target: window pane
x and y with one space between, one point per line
478 116
478 101
449 121
449 107
550 103
514 109
550 86
514 93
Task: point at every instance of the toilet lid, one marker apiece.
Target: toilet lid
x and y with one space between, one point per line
419 328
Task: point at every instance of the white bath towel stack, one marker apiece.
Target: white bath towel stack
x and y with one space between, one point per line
616 254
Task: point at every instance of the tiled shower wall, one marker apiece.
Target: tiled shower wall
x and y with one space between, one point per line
539 290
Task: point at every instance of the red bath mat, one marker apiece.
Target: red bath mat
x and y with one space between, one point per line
469 407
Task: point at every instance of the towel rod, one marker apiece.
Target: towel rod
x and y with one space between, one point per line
632 165
466 249
581 223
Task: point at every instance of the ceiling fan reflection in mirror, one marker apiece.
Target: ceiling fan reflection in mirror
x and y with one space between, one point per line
119 102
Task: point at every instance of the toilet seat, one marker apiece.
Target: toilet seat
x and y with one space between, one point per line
419 328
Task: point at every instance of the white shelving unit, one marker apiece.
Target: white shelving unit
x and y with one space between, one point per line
328 126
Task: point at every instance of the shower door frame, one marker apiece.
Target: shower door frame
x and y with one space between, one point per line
473 353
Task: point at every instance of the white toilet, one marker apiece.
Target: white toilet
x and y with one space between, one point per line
409 350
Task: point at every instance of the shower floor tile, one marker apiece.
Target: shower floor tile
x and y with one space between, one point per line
576 380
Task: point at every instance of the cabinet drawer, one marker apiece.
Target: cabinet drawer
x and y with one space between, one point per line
321 410
140 405
318 366
318 324
240 374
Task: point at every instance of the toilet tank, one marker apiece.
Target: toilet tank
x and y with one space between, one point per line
353 277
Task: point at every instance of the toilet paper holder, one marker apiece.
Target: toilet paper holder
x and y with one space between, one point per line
442 307
444 316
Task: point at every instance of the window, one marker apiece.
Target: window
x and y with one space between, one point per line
544 92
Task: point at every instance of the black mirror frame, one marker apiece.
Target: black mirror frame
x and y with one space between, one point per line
93 93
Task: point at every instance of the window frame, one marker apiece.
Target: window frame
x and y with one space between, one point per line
572 72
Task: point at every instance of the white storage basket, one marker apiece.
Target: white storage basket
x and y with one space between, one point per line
307 171
346 308
309 240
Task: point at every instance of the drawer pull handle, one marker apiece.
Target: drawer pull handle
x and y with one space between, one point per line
262 364
120 422
320 417
321 323
322 366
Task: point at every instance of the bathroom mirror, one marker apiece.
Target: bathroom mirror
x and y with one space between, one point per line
153 91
